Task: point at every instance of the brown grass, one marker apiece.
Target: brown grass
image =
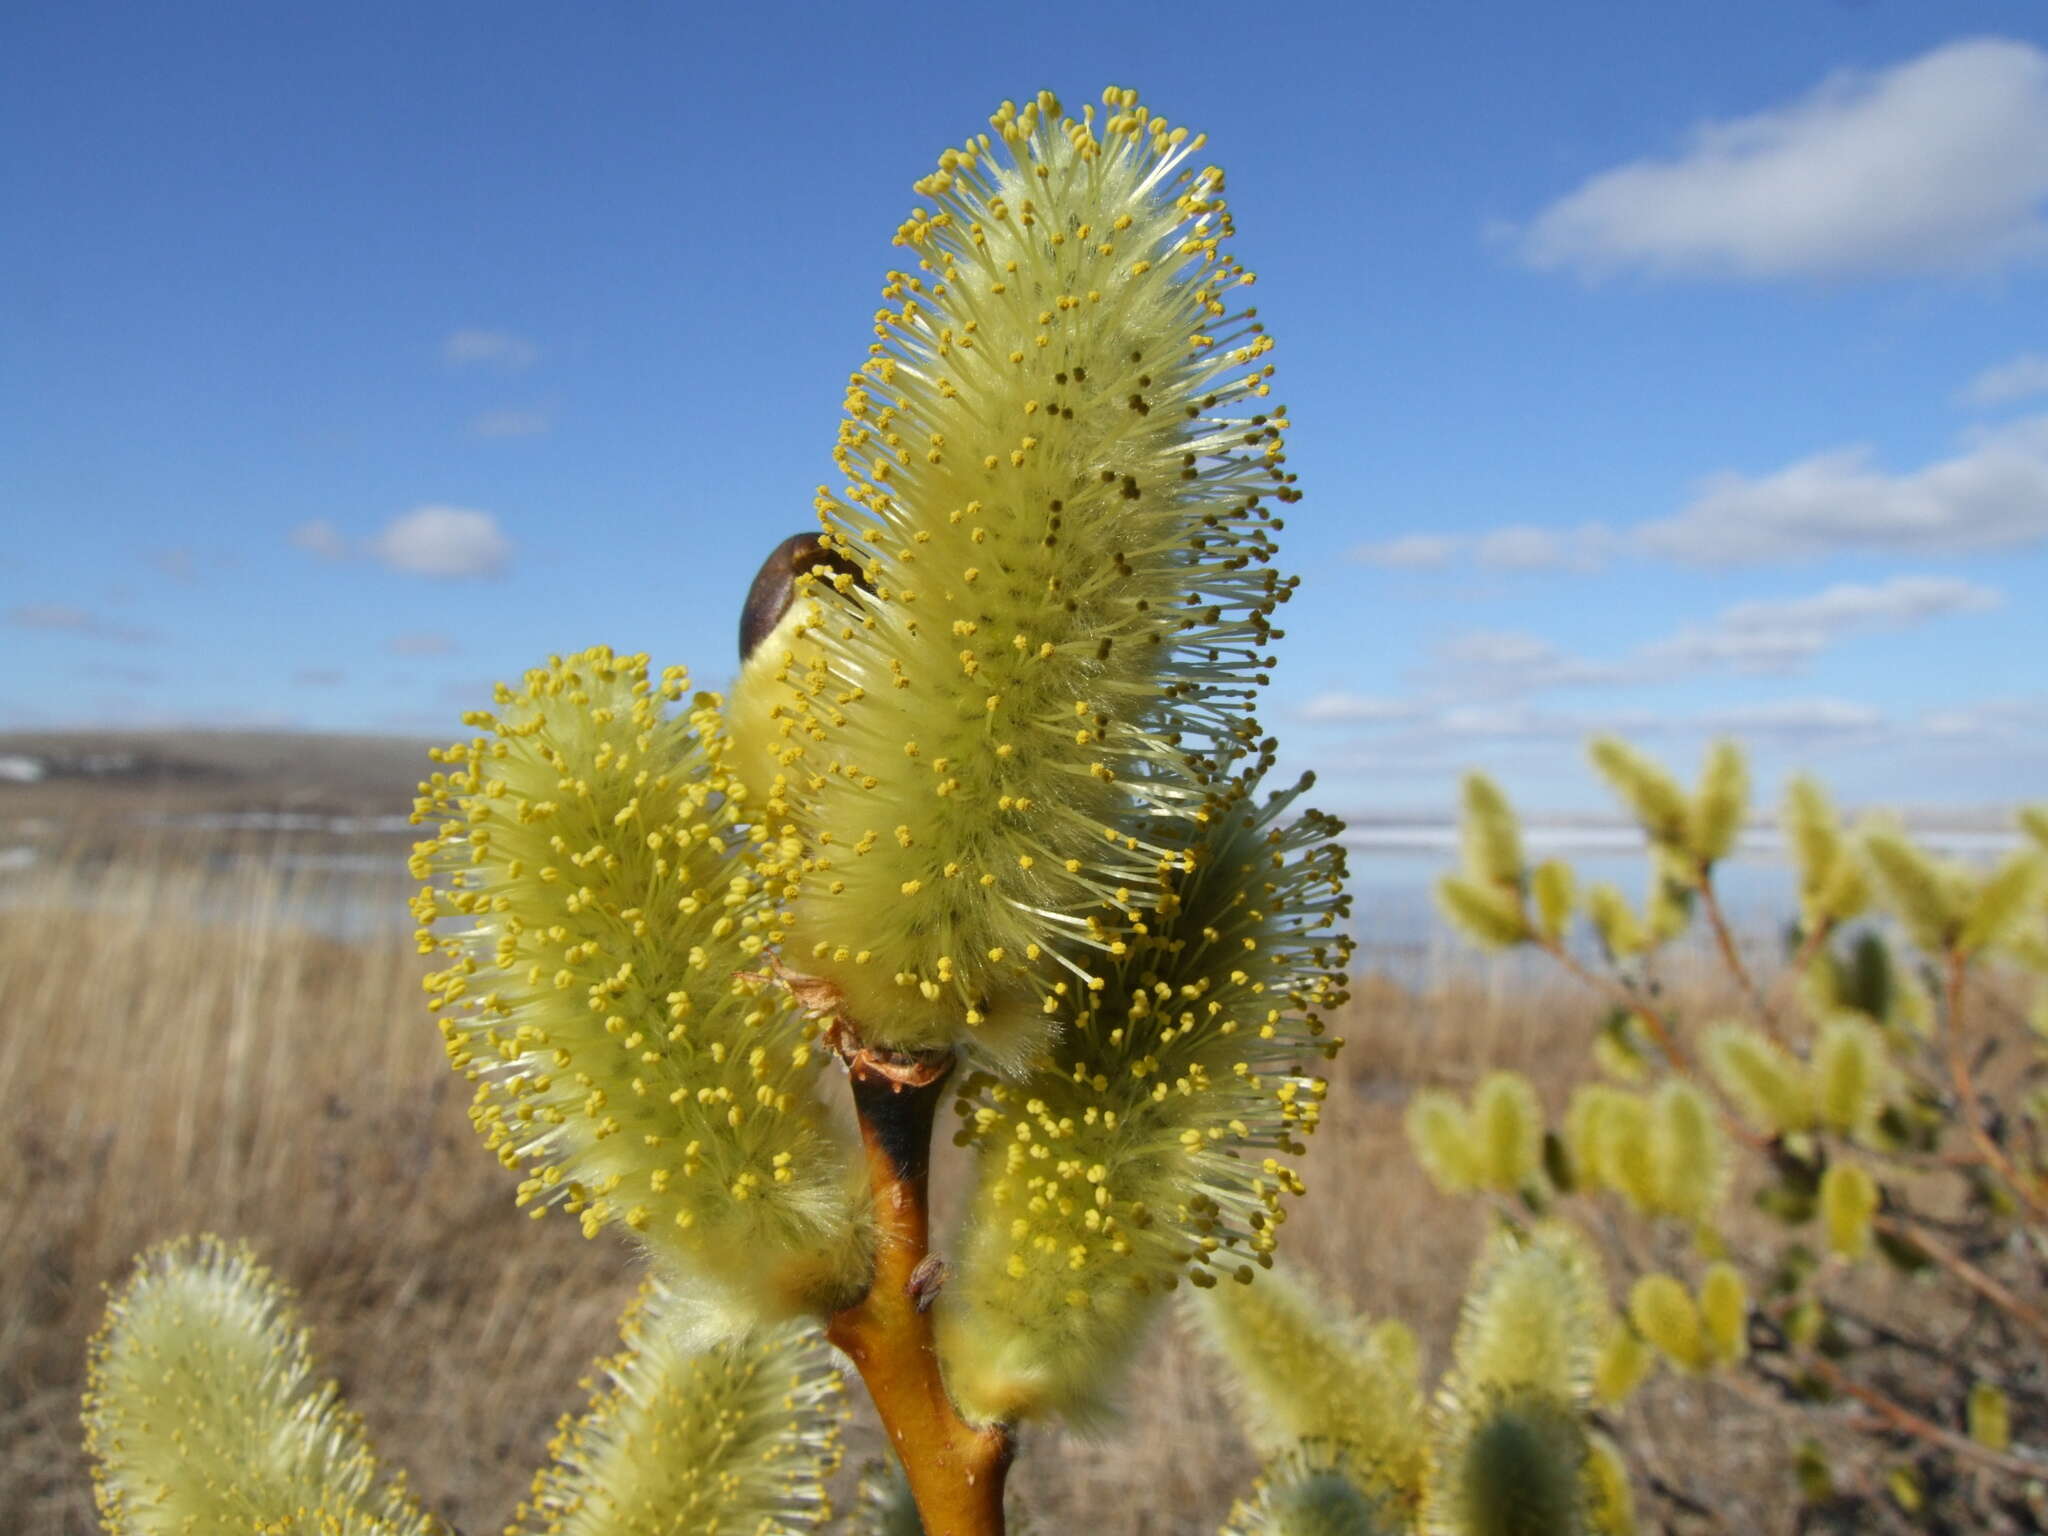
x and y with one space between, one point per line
194 1057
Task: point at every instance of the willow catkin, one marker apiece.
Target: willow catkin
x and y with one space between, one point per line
1159 1141
592 889
202 1412
1058 464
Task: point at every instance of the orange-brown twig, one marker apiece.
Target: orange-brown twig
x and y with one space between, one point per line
1902 1420
956 1469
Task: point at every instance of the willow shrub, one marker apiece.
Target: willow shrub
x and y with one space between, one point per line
1870 1101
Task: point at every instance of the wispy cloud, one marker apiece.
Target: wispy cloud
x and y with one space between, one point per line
65 618
1514 547
1355 708
2025 375
318 677
1991 495
512 424
1916 169
320 539
426 642
179 565
443 542
489 349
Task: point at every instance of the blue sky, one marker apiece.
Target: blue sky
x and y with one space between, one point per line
1670 369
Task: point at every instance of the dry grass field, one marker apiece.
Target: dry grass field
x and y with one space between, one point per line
183 1050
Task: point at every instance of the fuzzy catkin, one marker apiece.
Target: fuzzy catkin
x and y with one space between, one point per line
202 1412
1533 1317
591 892
688 1432
1158 1140
1303 1376
1058 464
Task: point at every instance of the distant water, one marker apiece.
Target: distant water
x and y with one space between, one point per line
353 886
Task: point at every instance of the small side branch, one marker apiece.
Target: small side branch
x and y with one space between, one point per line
956 1470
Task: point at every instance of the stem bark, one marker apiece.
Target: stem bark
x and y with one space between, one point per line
956 1469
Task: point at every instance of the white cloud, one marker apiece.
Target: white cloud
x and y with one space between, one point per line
512 424
492 349
1931 166
1515 547
1991 495
319 677
1413 551
1493 662
2025 375
65 618
443 541
1796 717
1353 709
321 539
1782 634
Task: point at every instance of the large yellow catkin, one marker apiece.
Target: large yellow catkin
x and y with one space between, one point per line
1533 1317
202 1412
1664 1312
1554 890
1159 1141
1611 1506
1507 1131
1768 1084
1849 1199
686 1432
1690 1161
1724 1312
1301 1373
1620 931
1608 1132
1440 1133
1832 884
1490 916
1652 796
1060 465
1929 897
2003 901
1719 804
594 892
1852 1074
1624 1362
1489 837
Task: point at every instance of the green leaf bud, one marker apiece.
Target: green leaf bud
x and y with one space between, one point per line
1990 1416
1507 1128
1724 1312
1621 932
1813 1472
1511 1463
1832 887
1532 1317
1623 1364
1440 1132
1300 1374
2004 900
1555 889
1902 1482
1058 467
1618 1048
1611 1501
1489 838
1158 1140
1664 1313
597 910
1852 1074
1849 1199
1491 917
202 1412
685 1432
1688 1154
1719 805
1928 896
1768 1084
1651 795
